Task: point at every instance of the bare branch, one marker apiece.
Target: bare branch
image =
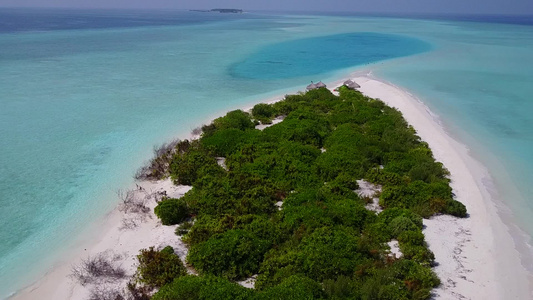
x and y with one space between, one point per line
99 268
132 202
158 166
104 292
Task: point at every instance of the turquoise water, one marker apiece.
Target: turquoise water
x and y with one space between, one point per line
81 110
82 104
479 80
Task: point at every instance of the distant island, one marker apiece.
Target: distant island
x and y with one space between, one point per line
220 10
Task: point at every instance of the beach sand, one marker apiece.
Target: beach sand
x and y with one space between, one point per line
476 256
122 244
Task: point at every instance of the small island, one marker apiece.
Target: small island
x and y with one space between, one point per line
316 196
220 10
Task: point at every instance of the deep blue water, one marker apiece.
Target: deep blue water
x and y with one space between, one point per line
18 19
324 54
523 19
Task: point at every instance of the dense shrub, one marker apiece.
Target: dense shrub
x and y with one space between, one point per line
263 112
171 211
234 119
400 225
321 242
413 237
185 168
184 228
295 287
205 227
455 208
415 275
224 142
390 214
202 288
347 181
235 254
378 176
211 195
423 198
157 268
330 252
341 288
263 227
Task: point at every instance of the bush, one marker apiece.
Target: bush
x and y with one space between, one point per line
376 175
455 208
263 112
347 181
295 287
411 237
235 254
202 288
264 228
333 163
204 227
157 268
185 167
401 224
423 198
224 142
415 275
184 228
341 288
417 253
390 214
330 252
234 119
171 211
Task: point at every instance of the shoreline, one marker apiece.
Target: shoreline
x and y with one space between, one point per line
473 262
476 255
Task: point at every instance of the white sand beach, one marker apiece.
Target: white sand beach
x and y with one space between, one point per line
476 255
125 233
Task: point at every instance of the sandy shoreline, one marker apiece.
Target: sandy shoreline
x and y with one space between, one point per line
120 240
476 256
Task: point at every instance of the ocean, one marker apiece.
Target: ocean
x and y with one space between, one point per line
85 95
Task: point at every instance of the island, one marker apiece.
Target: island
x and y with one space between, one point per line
220 10
316 196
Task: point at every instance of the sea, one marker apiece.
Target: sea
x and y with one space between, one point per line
85 95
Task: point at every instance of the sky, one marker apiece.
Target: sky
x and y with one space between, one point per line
383 6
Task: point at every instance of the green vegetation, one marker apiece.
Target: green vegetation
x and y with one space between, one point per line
202 287
323 243
263 113
157 268
171 211
233 254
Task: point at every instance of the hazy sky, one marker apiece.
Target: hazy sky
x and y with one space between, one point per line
387 6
